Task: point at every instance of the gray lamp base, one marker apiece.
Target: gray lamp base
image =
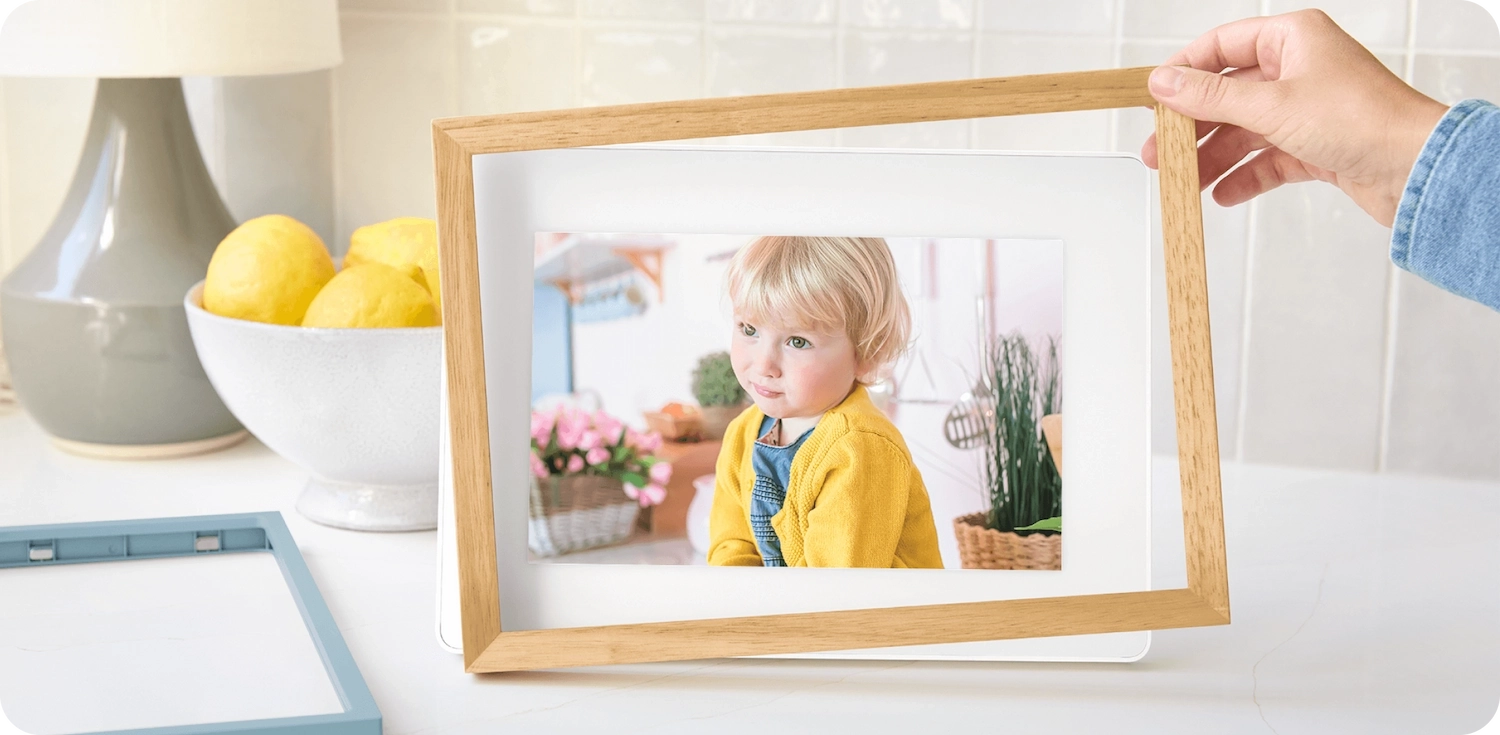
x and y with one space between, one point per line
151 451
93 322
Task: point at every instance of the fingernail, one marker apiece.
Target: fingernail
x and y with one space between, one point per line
1165 81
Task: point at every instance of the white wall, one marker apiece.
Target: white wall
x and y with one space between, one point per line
1325 354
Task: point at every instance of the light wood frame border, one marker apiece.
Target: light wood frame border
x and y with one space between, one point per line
488 648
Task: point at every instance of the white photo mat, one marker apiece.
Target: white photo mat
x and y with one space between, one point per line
1097 205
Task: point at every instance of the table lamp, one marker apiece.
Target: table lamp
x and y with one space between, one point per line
92 319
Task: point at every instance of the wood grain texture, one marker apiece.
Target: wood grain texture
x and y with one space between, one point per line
834 631
1192 358
487 648
468 433
777 113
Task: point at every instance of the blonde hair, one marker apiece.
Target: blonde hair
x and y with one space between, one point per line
826 283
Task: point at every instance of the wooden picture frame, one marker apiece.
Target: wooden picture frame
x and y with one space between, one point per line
489 648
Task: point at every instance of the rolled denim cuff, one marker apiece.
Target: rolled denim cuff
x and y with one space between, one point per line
1447 227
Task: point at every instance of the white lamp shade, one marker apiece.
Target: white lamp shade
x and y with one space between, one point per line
169 38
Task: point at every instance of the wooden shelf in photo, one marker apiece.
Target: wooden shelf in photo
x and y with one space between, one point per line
571 262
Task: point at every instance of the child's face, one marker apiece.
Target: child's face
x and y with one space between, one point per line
791 372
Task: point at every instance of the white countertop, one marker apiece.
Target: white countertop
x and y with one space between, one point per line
1361 603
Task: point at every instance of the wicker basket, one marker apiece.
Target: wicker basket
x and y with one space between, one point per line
985 548
576 512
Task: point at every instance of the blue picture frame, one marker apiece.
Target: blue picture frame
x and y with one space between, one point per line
80 543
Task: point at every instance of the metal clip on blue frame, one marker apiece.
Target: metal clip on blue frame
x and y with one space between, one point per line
79 543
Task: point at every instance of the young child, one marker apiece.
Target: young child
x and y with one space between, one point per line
813 474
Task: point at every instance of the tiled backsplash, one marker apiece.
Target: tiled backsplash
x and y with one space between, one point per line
1326 355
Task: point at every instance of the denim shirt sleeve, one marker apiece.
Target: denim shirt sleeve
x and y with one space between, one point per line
1447 227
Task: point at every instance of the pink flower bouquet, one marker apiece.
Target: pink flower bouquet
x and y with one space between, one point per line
569 441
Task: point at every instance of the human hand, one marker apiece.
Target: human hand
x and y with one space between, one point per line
1313 101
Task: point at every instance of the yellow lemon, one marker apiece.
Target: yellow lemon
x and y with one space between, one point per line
267 270
400 242
373 295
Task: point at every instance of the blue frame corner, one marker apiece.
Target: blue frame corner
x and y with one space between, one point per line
79 543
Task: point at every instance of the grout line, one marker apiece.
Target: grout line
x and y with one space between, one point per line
1251 232
840 73
6 248
578 57
450 46
1393 287
1246 301
705 58
1117 58
972 128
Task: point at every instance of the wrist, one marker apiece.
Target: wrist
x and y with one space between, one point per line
1413 134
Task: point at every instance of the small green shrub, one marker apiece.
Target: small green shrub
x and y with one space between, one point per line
714 383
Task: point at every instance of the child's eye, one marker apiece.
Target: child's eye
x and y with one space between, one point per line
799 343
747 330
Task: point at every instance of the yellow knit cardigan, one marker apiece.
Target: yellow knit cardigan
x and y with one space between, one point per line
854 497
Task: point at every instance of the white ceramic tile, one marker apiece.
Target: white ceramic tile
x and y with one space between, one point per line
909 13
1455 25
1071 17
1377 24
644 9
1224 243
1315 252
1314 373
1184 19
278 148
743 61
420 6
396 77
1449 79
872 58
763 62
1011 55
1445 385
518 7
45 123
773 11
622 65
513 66
878 58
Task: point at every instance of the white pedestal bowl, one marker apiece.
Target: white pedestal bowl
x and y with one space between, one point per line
356 408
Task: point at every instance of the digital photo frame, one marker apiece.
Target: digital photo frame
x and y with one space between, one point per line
528 160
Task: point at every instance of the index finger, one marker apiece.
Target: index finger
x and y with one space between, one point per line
1248 42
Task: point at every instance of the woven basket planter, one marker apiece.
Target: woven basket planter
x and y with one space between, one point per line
985 548
576 512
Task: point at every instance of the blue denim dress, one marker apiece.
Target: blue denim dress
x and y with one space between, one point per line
1447 227
773 468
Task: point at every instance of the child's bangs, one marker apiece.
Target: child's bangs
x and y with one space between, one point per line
784 297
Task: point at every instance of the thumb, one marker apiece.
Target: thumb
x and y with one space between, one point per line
1212 97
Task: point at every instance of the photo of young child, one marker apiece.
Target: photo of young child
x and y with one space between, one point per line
768 401
812 474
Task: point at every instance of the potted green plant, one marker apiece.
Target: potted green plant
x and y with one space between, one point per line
719 393
1023 527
